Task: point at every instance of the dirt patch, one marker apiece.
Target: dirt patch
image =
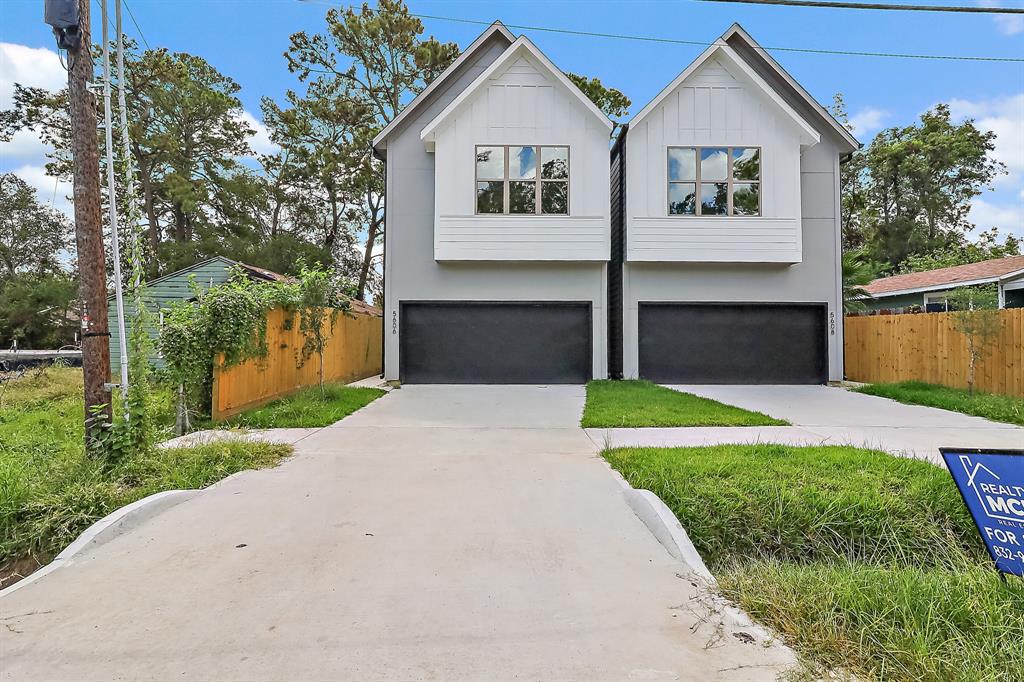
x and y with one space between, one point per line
13 570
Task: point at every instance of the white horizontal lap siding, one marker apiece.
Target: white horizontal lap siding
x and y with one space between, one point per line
521 106
714 108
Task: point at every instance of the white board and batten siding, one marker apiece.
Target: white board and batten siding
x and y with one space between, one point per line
714 107
521 105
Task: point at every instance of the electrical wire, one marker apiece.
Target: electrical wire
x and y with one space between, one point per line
131 15
879 6
701 43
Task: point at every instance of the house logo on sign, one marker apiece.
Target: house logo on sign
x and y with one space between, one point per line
1002 502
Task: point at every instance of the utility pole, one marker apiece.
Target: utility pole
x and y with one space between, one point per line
132 215
92 284
112 202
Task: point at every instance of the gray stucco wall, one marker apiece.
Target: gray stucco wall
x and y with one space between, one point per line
814 280
410 271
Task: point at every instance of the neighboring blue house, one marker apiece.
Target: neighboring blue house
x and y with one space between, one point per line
174 288
928 290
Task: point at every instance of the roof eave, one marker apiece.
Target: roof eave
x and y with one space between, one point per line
738 30
496 27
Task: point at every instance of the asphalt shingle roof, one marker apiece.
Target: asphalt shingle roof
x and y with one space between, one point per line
988 269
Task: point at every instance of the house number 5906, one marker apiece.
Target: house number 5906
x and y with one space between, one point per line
394 321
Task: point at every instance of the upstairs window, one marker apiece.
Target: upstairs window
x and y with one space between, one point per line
522 180
714 181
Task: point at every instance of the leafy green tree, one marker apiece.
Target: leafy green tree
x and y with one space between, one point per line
987 247
612 102
31 235
857 274
319 298
361 71
975 315
37 310
910 191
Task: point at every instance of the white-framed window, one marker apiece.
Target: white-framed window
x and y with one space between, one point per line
522 179
714 181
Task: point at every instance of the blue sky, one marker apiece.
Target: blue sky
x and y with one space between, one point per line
245 39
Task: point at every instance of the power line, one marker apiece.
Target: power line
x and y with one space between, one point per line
131 15
700 43
878 6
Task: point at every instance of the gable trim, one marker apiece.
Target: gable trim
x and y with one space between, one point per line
496 27
520 45
809 136
737 30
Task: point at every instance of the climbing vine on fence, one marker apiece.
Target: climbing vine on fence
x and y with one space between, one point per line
227 324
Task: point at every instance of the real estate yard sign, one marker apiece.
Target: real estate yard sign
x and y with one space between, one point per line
992 485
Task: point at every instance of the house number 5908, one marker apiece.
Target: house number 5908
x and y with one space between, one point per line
832 324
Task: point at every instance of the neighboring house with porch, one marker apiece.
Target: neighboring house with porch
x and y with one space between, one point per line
929 290
176 287
714 257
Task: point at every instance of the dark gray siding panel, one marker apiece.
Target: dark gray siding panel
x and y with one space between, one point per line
490 342
756 343
618 245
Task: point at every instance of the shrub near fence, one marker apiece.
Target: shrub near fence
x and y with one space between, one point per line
353 352
927 347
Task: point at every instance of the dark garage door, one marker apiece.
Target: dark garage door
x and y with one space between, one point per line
733 343
495 343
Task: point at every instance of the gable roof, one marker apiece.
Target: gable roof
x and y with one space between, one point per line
809 135
738 37
250 270
998 269
521 46
497 28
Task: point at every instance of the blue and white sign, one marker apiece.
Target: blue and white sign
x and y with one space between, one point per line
992 485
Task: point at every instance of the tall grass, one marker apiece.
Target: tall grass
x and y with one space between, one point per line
50 491
862 561
1000 408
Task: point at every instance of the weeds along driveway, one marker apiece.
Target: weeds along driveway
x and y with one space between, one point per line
823 415
440 533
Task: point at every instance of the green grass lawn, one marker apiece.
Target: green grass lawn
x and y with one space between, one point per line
1000 408
612 404
862 561
50 491
308 408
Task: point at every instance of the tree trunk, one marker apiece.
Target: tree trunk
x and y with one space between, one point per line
364 269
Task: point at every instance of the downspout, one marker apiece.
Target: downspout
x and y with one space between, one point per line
383 268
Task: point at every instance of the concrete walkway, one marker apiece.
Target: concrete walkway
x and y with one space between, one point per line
823 415
442 533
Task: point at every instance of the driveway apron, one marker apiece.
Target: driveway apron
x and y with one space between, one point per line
441 533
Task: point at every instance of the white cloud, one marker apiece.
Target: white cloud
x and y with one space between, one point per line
1009 219
1005 117
49 190
1007 24
867 122
260 142
35 67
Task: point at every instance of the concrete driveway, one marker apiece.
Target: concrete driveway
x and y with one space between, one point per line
442 533
831 416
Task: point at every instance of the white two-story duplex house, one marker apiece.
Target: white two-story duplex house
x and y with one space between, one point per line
729 227
712 257
498 224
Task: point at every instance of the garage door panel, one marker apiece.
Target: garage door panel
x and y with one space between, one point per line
733 343
495 342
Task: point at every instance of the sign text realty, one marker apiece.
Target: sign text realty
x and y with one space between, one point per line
992 485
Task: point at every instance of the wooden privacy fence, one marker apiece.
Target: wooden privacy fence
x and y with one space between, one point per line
353 352
927 347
